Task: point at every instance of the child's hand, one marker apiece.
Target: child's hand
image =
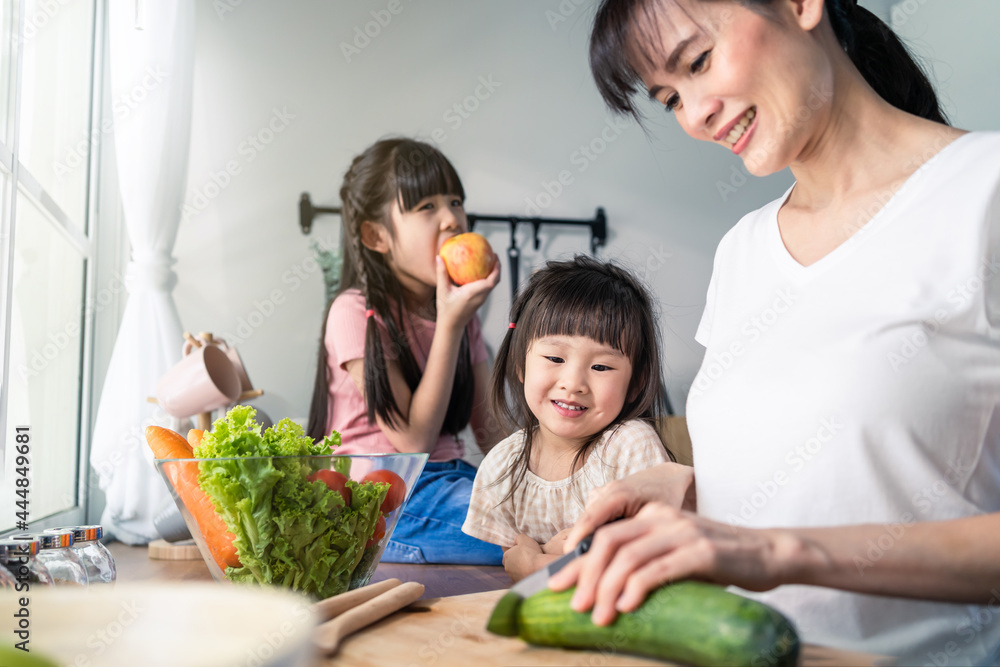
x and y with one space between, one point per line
524 558
557 543
456 304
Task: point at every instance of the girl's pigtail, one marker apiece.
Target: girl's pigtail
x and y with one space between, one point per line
501 385
460 402
319 406
507 393
378 391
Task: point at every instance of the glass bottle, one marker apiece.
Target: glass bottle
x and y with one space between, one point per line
19 559
7 580
59 559
95 557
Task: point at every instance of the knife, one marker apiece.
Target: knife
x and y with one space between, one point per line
538 580
503 620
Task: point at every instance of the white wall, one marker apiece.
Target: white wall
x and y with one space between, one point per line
242 246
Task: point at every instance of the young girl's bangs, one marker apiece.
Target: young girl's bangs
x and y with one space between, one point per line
596 309
421 171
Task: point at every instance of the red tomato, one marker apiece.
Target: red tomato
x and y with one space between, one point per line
379 532
397 488
334 481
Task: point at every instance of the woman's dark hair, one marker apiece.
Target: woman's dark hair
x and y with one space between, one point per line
883 60
580 297
405 171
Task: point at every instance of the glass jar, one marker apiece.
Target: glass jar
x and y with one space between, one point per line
7 580
95 557
59 559
19 559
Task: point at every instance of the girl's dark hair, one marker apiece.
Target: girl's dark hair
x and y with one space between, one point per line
580 297
883 60
405 171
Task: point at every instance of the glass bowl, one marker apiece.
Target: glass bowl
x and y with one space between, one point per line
291 523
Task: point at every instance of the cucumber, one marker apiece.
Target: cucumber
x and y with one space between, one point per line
503 620
689 622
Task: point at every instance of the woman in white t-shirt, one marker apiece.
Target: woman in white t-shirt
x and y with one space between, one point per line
845 419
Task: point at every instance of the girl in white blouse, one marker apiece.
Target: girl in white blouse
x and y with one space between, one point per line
578 374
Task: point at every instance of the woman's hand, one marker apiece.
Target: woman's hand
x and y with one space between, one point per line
456 304
668 483
525 557
661 544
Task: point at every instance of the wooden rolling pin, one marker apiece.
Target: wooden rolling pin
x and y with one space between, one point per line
338 604
329 635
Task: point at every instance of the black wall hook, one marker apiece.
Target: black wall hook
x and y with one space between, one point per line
307 212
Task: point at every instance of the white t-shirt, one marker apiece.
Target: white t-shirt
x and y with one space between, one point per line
540 508
862 389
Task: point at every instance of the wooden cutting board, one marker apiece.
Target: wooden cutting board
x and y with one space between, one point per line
452 631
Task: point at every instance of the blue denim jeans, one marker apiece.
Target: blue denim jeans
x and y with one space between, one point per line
430 528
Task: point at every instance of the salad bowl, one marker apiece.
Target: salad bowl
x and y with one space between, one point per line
318 524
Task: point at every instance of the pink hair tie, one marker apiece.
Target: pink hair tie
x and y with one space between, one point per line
369 313
512 325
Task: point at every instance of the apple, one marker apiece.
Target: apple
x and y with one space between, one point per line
467 257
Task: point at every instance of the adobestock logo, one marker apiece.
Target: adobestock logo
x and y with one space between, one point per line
818 97
249 149
459 112
563 11
903 11
959 298
363 35
796 459
714 367
44 11
581 158
270 303
121 108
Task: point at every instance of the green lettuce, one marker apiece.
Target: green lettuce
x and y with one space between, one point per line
289 531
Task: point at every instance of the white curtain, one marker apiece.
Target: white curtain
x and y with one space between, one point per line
152 66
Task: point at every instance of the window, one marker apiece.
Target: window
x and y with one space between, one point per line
48 185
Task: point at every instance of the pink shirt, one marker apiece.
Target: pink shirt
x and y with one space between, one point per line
346 410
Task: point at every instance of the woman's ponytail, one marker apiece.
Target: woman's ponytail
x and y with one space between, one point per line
885 62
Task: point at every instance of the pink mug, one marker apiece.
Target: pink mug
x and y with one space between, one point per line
202 381
231 352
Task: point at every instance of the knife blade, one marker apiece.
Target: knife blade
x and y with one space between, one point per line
538 580
503 621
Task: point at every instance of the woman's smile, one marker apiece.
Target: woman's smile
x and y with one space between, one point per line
737 134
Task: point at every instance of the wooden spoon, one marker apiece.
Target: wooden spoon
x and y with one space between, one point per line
338 604
329 635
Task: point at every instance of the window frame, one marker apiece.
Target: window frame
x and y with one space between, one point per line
85 238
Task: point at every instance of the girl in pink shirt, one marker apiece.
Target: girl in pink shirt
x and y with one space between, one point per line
403 366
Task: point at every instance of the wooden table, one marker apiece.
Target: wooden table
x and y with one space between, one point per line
439 580
446 628
452 631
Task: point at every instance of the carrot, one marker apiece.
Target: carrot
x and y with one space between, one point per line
167 444
194 437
